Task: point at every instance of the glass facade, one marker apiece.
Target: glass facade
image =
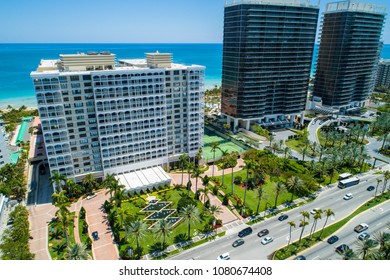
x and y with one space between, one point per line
348 56
267 55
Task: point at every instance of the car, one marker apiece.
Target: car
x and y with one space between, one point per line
371 188
262 233
360 228
224 256
238 242
314 211
363 236
245 232
301 257
333 239
267 240
342 248
348 196
91 196
283 217
95 235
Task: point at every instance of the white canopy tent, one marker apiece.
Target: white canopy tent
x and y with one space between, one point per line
144 179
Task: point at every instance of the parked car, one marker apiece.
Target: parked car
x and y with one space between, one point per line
333 239
363 236
342 248
224 256
238 242
95 235
245 232
267 240
348 196
371 188
283 217
262 232
91 196
360 228
301 257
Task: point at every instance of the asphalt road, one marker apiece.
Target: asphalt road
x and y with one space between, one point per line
253 249
375 219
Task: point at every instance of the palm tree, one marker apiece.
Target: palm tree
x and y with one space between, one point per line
110 182
249 166
386 179
162 230
195 174
136 230
57 180
292 225
214 147
183 161
294 184
271 138
384 139
316 216
224 163
198 156
77 252
382 238
215 210
89 182
304 223
60 200
327 213
190 214
119 195
305 151
286 151
378 180
278 189
259 195
70 186
348 254
232 163
365 247
190 167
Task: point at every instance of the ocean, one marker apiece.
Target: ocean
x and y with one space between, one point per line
18 60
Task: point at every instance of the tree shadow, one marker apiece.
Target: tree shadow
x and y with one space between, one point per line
180 238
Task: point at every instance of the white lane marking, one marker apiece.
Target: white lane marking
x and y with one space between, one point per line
317 257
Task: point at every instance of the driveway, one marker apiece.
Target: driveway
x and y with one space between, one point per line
104 248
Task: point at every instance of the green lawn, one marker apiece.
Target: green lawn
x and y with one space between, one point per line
57 241
251 197
149 243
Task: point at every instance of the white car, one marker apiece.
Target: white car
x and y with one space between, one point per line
314 211
91 196
267 240
224 256
348 196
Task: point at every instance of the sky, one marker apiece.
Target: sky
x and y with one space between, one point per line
120 21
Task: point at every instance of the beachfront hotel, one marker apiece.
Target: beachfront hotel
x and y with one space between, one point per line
348 55
127 117
267 54
383 73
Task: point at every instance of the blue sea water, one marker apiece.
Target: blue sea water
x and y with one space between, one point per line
18 60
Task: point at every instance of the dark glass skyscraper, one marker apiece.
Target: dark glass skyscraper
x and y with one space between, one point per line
349 52
267 54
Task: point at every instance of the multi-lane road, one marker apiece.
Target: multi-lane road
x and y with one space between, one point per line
376 219
252 249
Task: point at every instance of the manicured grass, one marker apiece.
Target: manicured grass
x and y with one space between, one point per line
149 243
305 243
251 197
297 145
57 241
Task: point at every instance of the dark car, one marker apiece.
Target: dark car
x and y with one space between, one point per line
301 257
95 235
263 232
332 239
371 188
238 242
342 248
283 217
245 232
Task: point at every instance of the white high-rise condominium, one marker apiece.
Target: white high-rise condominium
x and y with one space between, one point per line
102 116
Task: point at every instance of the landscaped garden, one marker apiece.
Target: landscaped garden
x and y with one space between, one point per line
154 226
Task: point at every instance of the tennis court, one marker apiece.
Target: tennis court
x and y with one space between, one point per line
224 144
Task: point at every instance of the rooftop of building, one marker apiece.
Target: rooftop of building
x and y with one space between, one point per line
296 3
83 63
355 6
